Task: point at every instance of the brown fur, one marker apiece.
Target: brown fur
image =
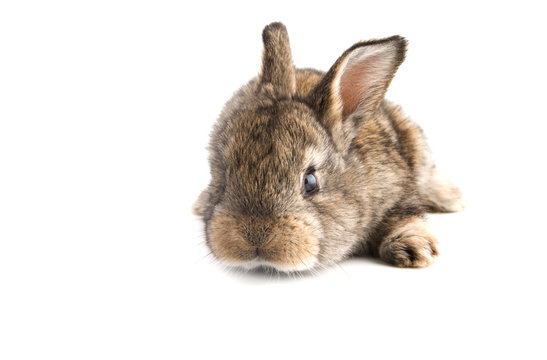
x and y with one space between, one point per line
374 169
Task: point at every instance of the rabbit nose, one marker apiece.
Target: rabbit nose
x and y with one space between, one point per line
257 240
257 235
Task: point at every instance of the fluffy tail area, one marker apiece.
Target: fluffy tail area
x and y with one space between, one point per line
440 194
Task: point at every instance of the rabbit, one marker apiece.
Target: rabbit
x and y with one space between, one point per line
309 168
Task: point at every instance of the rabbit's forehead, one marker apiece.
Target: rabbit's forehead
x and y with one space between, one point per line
279 135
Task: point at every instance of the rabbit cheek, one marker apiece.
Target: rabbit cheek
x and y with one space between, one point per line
227 242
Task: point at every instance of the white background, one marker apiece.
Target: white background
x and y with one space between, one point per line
105 112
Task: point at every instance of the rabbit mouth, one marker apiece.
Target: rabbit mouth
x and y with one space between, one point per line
284 243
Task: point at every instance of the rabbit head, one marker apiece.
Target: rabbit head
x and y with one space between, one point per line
288 188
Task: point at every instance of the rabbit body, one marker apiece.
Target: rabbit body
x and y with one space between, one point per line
308 168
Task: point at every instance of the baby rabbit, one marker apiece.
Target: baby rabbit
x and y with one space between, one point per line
308 168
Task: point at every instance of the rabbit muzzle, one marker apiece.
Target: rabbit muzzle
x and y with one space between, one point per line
285 243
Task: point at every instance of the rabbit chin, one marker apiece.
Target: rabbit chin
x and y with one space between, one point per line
305 264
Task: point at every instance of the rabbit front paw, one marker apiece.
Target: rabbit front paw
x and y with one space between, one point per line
410 245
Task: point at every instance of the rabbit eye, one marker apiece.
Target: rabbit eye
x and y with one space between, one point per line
310 183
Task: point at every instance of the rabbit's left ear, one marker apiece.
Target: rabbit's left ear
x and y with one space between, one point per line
277 73
357 82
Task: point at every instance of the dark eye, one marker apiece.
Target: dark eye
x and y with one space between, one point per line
310 183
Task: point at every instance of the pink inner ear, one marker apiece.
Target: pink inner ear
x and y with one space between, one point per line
357 80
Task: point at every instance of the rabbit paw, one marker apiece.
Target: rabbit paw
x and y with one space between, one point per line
410 245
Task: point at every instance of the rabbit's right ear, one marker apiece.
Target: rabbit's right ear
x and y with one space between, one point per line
356 84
